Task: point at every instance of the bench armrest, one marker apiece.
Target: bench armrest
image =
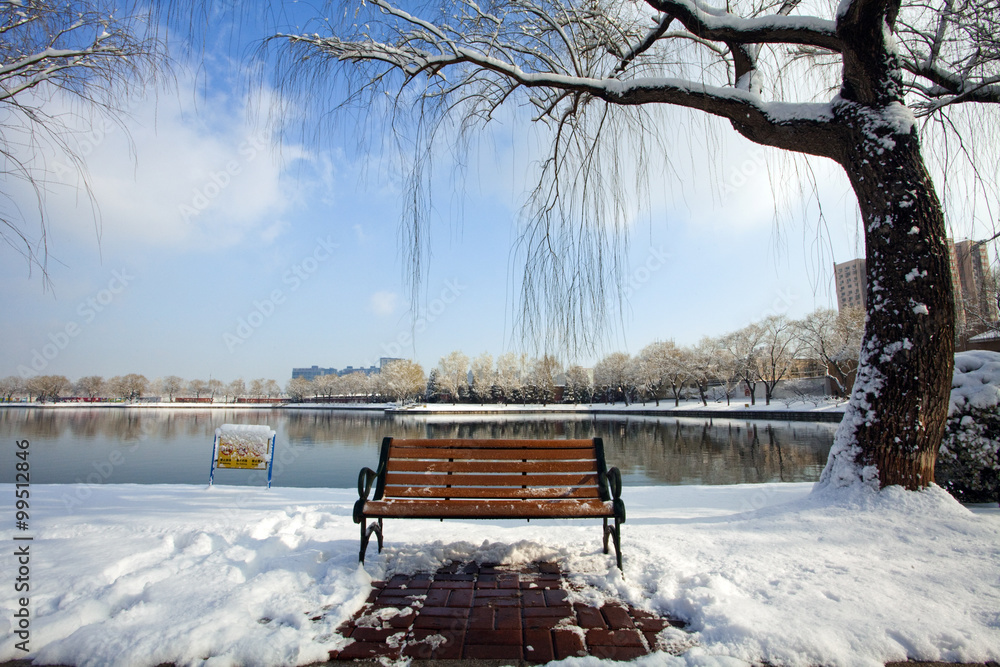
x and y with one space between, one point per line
615 482
366 478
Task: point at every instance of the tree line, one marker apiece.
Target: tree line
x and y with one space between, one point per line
132 387
767 352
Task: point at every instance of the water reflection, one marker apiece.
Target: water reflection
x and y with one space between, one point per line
321 448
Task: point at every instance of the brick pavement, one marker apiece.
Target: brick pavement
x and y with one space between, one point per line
486 612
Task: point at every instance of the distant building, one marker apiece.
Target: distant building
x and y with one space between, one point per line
978 301
852 283
371 370
312 372
970 271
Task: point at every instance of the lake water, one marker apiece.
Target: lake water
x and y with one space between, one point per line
328 448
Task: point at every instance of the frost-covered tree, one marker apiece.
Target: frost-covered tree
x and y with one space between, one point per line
199 387
325 385
543 378
836 81
578 384
453 374
705 366
611 376
402 379
483 376
357 384
511 374
296 388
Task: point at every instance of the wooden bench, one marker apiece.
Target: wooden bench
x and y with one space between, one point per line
490 479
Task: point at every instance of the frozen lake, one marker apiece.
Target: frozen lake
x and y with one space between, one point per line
319 448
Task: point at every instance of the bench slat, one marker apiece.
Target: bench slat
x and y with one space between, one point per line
530 467
488 493
491 480
471 509
480 454
462 443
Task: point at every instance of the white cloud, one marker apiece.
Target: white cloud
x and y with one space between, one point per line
384 303
184 171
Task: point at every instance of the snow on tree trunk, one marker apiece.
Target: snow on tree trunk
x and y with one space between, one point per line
895 419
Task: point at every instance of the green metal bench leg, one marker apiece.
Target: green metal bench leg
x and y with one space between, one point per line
366 536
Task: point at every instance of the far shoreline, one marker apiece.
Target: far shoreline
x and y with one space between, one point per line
827 412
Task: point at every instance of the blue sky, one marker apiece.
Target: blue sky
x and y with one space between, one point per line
221 253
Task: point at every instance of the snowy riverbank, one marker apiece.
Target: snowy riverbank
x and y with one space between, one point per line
145 574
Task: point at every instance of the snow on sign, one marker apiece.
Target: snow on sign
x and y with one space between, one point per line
244 447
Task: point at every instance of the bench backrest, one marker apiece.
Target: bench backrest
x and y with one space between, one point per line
492 469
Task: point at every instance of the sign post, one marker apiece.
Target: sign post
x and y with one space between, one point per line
243 447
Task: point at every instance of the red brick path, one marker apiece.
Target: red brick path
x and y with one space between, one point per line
482 611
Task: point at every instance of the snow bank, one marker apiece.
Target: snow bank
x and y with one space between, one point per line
141 575
976 381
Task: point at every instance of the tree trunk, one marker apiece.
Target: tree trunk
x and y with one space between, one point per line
899 404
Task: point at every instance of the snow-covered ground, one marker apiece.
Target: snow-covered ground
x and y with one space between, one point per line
140 575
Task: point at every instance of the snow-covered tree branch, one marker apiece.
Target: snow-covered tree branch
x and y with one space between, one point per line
96 55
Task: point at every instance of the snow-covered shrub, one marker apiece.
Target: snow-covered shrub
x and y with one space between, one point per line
968 464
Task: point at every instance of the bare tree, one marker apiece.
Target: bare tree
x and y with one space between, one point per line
90 386
236 388
129 387
272 389
593 70
257 387
743 347
215 387
197 387
172 385
93 56
834 338
779 347
47 387
10 387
